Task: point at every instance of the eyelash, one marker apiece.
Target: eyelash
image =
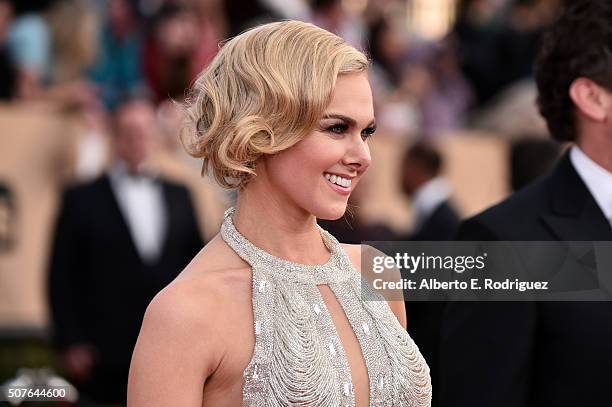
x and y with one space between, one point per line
368 132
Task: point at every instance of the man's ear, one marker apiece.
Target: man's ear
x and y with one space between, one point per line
590 99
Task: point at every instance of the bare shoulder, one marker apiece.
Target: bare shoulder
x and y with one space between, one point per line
215 260
176 337
207 283
202 295
197 302
359 253
183 339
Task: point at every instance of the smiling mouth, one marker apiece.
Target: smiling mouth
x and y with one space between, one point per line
335 179
338 184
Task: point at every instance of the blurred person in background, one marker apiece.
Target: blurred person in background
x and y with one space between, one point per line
387 48
170 157
74 29
517 41
118 240
117 70
398 87
52 44
332 16
531 157
475 31
434 219
548 353
30 45
497 41
449 97
421 179
212 26
178 48
511 110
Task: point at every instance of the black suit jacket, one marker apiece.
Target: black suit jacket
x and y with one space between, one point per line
99 287
424 317
531 353
441 224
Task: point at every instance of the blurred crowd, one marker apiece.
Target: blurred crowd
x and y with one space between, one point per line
86 57
91 54
115 70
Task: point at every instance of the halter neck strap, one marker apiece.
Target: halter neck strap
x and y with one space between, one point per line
257 257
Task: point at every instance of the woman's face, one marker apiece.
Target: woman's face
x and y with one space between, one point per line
305 176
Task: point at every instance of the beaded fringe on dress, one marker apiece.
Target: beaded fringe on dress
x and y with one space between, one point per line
298 358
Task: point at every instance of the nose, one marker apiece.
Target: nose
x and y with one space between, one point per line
358 155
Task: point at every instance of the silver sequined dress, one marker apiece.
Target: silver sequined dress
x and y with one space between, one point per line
298 358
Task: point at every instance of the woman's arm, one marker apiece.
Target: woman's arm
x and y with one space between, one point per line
177 349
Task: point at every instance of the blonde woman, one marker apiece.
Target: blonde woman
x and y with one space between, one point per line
270 312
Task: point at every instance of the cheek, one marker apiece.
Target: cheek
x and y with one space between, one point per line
322 152
294 172
299 171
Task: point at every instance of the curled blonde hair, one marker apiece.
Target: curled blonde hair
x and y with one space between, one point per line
263 92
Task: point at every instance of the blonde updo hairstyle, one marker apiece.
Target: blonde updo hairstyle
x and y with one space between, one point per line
263 92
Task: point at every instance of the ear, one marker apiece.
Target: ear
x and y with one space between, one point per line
590 99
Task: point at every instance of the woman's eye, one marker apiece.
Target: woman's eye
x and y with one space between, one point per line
367 133
338 128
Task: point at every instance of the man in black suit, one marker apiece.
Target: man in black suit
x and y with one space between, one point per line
435 219
547 353
434 216
118 241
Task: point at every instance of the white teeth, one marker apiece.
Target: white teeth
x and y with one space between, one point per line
335 179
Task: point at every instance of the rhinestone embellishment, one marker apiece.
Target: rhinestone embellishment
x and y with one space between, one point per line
284 297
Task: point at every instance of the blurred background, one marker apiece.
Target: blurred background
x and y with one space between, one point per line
454 100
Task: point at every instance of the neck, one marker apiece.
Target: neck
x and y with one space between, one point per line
278 227
598 147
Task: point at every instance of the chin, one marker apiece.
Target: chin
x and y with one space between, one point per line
333 212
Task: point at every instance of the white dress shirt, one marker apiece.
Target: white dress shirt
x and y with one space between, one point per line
141 201
597 179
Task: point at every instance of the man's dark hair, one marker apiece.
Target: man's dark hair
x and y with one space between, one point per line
578 44
426 156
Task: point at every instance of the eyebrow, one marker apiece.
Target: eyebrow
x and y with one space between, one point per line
349 120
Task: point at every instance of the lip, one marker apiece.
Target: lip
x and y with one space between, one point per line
340 190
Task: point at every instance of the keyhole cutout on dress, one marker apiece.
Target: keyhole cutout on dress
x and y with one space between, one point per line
350 343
